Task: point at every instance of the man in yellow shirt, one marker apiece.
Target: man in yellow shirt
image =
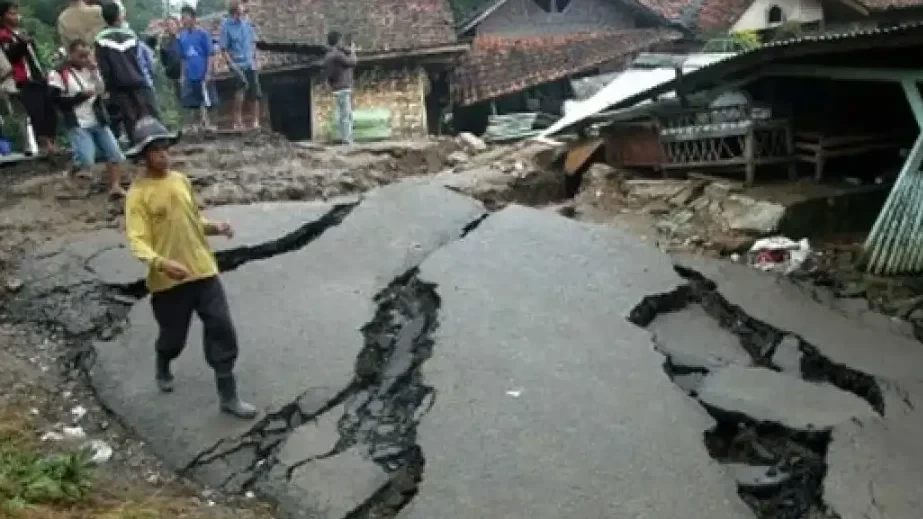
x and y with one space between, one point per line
167 232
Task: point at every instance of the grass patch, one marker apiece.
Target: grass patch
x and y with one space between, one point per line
29 477
40 480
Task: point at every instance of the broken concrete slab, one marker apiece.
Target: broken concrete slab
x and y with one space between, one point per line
332 487
757 477
534 333
298 318
311 479
770 397
788 355
875 465
696 340
779 302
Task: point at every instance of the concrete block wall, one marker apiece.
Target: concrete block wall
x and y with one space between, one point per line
402 91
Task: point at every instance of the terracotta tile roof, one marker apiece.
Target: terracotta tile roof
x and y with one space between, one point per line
498 66
376 25
699 15
720 15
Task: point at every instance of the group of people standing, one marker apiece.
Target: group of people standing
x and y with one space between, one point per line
189 53
106 83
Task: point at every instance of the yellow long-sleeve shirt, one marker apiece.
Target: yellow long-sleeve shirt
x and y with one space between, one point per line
163 222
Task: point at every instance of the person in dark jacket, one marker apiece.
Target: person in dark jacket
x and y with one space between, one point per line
77 88
29 76
339 63
117 56
171 58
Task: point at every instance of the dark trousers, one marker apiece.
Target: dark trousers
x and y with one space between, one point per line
131 106
149 98
173 310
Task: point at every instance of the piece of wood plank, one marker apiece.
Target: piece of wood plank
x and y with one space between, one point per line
579 155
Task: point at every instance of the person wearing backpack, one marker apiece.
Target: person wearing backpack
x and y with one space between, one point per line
77 88
116 50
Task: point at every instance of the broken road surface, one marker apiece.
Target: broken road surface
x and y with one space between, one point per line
416 357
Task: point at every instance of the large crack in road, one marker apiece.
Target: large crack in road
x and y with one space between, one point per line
779 469
382 405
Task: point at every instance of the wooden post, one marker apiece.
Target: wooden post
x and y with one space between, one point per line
749 164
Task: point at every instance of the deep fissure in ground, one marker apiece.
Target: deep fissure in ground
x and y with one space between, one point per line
383 404
783 469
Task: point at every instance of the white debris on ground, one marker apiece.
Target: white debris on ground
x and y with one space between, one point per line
780 254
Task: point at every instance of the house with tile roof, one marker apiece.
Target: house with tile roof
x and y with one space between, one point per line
716 17
524 52
405 50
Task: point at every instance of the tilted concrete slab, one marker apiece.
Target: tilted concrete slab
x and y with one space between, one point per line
875 466
549 403
298 317
692 338
779 302
767 396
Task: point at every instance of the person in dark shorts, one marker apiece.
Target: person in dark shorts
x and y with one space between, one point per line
238 45
29 76
167 232
197 52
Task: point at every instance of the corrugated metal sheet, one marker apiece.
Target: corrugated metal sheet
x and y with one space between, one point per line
586 87
627 84
717 65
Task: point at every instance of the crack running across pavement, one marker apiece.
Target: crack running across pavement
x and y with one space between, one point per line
779 470
382 404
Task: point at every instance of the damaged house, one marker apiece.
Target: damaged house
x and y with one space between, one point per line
524 52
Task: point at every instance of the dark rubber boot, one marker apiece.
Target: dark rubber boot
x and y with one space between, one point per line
230 402
164 377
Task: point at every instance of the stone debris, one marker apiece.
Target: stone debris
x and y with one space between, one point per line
472 142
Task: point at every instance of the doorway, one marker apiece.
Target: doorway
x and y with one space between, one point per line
290 106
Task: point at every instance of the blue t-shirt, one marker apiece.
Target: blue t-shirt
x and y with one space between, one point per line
195 46
237 38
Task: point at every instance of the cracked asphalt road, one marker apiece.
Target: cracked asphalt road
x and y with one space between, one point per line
413 358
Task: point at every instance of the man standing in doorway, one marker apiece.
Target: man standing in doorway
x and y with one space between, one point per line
339 63
80 21
238 45
197 52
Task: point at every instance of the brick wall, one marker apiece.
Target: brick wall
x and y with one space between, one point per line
402 91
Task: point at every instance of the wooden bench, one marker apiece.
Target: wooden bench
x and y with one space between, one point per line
819 147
